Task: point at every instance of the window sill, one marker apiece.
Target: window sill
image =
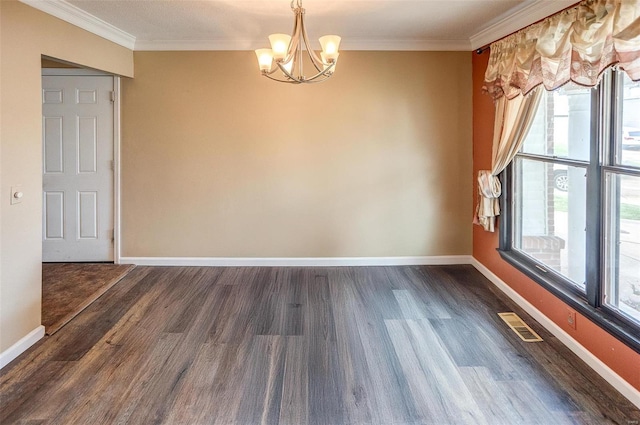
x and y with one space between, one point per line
619 329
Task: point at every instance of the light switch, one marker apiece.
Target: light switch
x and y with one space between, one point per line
16 194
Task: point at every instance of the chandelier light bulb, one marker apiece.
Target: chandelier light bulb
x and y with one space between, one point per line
265 59
279 45
330 45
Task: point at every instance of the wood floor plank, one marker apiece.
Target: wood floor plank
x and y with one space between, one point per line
83 342
473 348
526 401
412 279
433 377
109 407
294 405
391 401
325 400
489 395
295 296
247 309
17 401
166 384
194 400
280 310
410 307
301 345
356 377
226 393
376 289
198 287
453 296
262 385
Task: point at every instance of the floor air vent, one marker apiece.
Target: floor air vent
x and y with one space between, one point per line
520 328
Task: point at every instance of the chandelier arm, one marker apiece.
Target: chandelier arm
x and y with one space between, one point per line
293 44
291 56
326 73
271 71
282 81
315 79
300 64
287 74
295 80
317 62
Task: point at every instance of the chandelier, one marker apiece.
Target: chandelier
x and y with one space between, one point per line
286 52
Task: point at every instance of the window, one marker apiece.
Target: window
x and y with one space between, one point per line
571 216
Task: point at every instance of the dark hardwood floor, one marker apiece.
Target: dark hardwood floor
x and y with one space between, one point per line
363 345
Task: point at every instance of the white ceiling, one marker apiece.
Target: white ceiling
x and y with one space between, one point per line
245 24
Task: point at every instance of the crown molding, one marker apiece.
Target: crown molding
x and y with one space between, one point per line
177 45
407 45
78 17
532 11
523 16
399 45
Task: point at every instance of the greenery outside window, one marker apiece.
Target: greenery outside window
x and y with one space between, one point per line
571 210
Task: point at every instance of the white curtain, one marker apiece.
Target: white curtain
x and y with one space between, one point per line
577 45
511 126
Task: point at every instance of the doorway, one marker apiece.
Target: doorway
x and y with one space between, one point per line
78 166
80 134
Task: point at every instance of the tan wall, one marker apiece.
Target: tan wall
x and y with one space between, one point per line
48 63
25 35
220 162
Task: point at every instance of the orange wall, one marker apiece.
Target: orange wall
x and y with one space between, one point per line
622 359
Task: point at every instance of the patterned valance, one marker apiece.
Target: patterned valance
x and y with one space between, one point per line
577 45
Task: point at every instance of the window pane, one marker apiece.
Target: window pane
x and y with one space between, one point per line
629 135
622 245
550 216
562 125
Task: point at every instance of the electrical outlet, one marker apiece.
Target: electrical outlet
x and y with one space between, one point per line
571 318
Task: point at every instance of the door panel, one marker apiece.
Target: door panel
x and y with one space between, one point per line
54 215
77 168
87 215
87 145
53 149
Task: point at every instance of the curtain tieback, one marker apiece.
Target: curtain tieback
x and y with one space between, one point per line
488 208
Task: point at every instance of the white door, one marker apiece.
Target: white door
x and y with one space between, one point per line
77 128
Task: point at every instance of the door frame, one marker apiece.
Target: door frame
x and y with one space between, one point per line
79 72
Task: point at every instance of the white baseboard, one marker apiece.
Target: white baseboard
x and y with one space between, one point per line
21 346
595 363
296 262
